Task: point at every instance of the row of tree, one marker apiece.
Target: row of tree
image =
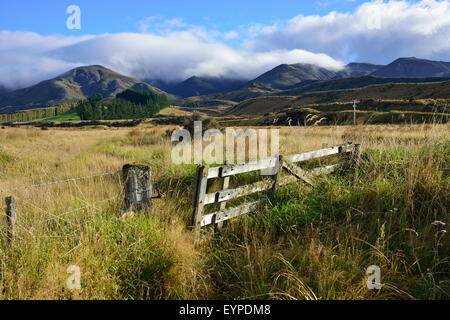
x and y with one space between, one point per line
37 114
129 104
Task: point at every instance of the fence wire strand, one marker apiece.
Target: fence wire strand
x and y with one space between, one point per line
60 215
39 185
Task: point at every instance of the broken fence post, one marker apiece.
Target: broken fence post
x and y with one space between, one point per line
11 217
138 188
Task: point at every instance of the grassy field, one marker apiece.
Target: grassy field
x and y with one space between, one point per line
310 243
72 116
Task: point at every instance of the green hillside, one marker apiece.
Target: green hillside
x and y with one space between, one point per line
285 76
389 91
352 83
72 86
414 68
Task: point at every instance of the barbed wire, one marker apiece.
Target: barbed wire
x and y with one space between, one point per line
59 216
39 185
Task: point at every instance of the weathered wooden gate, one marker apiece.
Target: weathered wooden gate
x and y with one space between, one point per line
276 164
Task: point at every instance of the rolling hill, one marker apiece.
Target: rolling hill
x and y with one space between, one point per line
414 68
72 86
197 86
284 80
297 79
230 98
388 91
285 76
357 70
272 82
352 83
315 87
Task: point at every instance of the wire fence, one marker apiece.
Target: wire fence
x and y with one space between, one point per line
31 206
39 185
59 216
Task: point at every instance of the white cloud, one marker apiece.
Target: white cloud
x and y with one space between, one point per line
377 31
159 24
24 60
172 57
173 50
231 35
162 26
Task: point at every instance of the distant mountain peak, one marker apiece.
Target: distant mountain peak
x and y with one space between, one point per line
413 67
363 64
84 81
74 85
287 75
195 86
357 69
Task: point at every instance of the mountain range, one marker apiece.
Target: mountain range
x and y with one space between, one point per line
357 70
288 76
198 86
414 68
285 76
72 86
300 78
287 80
437 89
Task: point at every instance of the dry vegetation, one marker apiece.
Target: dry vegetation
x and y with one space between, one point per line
312 243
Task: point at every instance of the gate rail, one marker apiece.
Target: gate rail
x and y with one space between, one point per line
276 164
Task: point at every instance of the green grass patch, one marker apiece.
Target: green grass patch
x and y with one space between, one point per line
72 116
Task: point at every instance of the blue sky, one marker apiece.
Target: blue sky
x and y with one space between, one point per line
48 17
241 39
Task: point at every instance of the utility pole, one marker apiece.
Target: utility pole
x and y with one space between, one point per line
354 112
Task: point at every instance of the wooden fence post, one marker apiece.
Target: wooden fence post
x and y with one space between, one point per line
225 185
195 200
276 177
355 154
138 187
11 217
201 182
272 167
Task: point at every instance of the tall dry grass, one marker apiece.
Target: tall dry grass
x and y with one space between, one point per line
313 243
316 243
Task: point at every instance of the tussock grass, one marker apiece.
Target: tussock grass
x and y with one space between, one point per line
310 243
317 242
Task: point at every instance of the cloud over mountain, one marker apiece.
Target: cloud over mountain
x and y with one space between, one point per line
376 32
24 58
173 57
